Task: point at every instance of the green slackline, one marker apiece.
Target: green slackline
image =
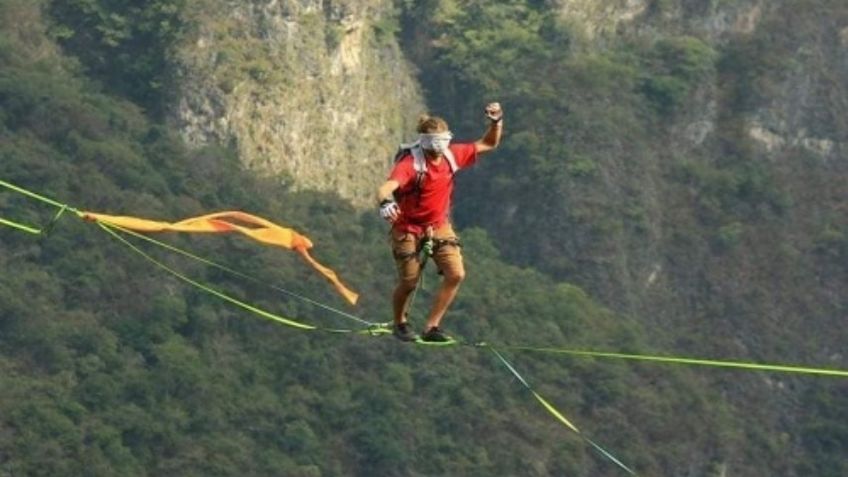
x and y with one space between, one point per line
21 227
35 196
557 414
580 353
239 274
686 361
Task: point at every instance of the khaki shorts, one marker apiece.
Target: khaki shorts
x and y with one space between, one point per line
448 257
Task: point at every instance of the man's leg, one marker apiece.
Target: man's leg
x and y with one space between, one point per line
400 300
444 297
449 260
404 248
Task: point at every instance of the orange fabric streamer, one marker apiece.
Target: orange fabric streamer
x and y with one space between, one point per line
256 228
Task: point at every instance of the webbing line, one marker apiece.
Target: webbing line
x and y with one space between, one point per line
246 306
26 228
49 227
65 207
33 195
221 295
239 274
21 227
686 361
581 353
556 413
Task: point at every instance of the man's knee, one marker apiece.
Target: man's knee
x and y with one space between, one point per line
407 283
454 276
449 261
409 271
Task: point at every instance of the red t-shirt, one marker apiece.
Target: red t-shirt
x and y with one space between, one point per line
431 205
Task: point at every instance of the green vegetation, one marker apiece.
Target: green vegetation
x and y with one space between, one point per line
714 244
110 368
124 45
677 66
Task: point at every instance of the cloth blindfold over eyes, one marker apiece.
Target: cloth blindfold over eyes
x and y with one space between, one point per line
436 141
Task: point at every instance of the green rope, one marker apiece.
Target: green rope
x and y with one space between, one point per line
26 228
49 227
239 274
556 413
35 196
380 329
686 361
21 227
373 330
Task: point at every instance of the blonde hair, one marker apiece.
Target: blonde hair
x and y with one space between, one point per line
431 124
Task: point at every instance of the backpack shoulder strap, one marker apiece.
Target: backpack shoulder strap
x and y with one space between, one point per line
419 162
419 165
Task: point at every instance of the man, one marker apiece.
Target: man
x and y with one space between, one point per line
416 200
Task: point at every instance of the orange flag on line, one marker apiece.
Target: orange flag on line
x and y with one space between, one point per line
255 227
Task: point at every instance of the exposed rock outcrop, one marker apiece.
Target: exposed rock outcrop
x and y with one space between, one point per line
316 91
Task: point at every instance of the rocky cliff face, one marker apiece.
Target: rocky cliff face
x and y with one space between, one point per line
773 108
712 17
316 91
600 20
791 114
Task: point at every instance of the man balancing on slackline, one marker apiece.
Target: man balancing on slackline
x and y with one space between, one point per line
416 199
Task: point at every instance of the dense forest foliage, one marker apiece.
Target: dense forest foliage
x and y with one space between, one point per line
715 245
109 367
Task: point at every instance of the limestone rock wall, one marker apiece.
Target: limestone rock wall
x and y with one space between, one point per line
312 91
